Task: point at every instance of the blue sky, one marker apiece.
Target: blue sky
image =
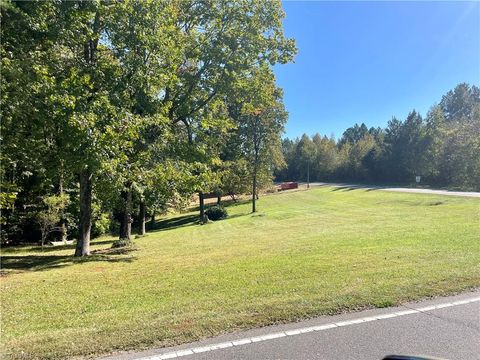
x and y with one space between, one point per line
369 61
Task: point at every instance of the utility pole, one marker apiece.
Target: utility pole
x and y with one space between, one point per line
308 174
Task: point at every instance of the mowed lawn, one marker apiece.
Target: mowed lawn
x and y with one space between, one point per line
306 253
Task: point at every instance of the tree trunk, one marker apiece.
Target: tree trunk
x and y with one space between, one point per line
254 190
202 208
152 220
308 175
63 226
44 236
142 217
256 149
83 242
85 226
63 231
126 223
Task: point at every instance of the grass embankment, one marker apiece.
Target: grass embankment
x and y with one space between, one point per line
307 253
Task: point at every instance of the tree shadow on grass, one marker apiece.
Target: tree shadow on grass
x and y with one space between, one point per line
233 203
346 188
238 215
103 242
13 264
176 222
191 219
225 203
357 187
49 248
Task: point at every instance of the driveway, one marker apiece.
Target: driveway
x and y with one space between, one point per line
399 189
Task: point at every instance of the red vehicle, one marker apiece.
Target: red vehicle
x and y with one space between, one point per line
288 186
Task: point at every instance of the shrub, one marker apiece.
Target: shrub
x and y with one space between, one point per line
216 213
121 243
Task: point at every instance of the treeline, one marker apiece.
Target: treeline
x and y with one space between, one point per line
443 148
113 111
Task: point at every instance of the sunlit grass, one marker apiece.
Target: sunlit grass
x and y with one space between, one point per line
307 253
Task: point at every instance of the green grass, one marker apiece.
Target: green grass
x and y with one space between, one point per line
321 251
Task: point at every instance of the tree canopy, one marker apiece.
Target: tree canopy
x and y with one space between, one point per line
125 107
443 148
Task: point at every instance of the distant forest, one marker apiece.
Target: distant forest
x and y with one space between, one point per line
443 148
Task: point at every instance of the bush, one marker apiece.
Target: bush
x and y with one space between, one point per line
216 213
121 243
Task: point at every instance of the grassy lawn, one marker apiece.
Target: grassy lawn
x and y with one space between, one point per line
306 253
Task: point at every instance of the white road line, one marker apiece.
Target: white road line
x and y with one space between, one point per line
242 342
293 332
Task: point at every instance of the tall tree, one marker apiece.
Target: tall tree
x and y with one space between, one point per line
88 83
221 43
260 115
75 76
460 103
305 155
142 35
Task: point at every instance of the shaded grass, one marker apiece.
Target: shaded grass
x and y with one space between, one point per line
175 222
312 252
44 262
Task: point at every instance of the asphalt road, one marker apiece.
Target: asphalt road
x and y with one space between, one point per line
447 328
399 189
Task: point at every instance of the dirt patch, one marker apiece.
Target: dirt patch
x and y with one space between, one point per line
183 326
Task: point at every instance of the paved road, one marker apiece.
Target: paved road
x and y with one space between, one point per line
448 328
400 189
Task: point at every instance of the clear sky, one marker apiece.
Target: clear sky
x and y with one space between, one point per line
369 61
